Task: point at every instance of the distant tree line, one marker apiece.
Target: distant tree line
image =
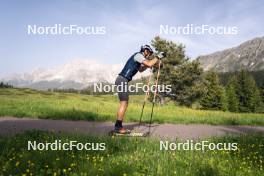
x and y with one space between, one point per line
90 90
257 75
5 85
240 94
64 90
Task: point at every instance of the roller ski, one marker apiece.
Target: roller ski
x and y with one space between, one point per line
125 132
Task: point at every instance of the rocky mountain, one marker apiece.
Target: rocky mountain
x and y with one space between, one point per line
79 74
76 74
248 55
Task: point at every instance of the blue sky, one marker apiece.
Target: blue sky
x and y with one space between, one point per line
129 24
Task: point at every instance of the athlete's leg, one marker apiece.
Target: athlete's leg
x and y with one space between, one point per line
123 99
121 114
122 110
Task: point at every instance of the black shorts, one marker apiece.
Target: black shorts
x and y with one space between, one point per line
123 94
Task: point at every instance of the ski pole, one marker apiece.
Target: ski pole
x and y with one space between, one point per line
145 99
154 98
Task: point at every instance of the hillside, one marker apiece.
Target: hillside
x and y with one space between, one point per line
248 55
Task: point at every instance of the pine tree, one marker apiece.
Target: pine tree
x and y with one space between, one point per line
232 97
248 93
178 71
213 97
223 100
261 90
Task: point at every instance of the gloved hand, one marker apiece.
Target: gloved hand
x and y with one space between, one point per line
161 55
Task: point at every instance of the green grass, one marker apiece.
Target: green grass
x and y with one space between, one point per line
41 104
128 156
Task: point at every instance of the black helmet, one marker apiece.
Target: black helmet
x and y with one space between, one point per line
146 47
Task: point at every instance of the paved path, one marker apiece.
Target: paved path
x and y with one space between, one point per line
11 125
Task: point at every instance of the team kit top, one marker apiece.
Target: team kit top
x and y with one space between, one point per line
132 66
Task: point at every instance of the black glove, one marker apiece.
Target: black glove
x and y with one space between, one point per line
161 55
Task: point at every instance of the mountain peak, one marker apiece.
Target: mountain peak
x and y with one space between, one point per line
248 55
77 74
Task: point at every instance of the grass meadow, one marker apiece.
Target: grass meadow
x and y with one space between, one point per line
128 156
70 106
124 156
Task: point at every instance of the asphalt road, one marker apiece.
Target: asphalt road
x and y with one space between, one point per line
12 125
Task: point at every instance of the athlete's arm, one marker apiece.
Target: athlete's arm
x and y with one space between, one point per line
150 63
142 68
